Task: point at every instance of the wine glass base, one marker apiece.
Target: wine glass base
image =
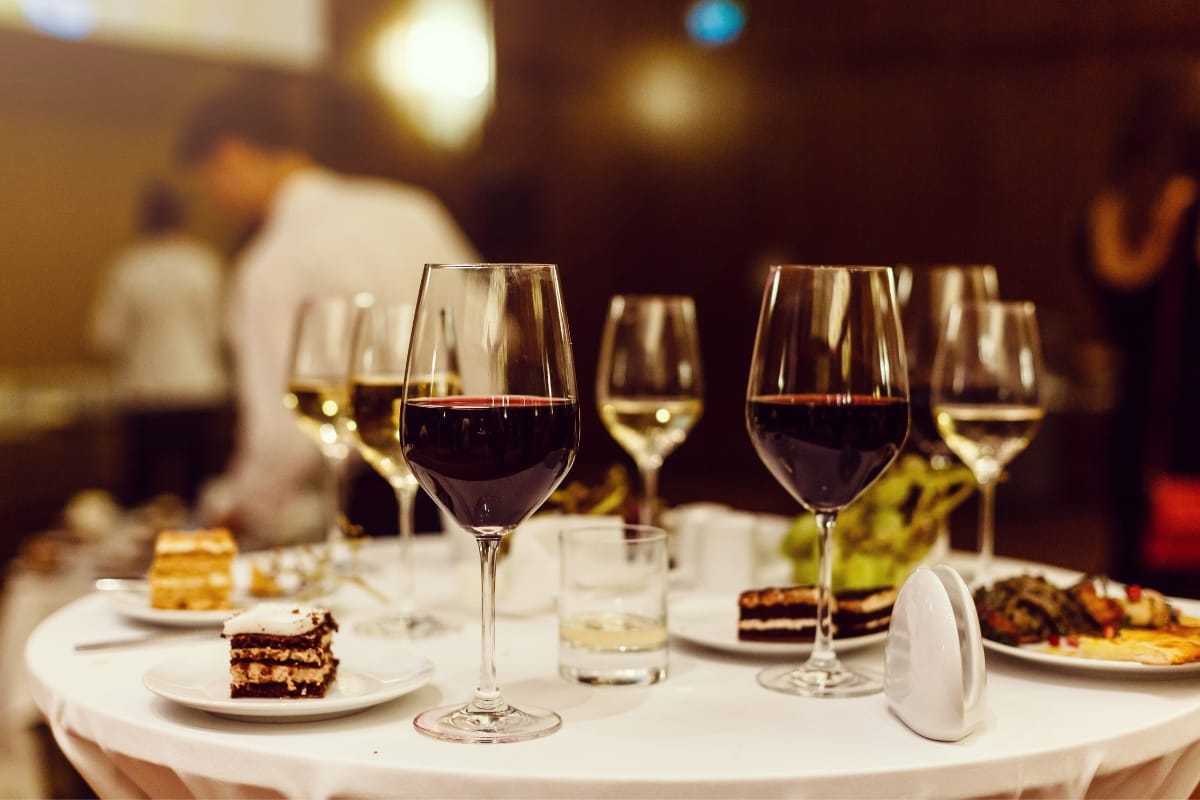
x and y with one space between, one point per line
807 681
464 725
405 626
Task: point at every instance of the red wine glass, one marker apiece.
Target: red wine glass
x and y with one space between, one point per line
491 453
827 411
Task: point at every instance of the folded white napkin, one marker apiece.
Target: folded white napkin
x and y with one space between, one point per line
528 574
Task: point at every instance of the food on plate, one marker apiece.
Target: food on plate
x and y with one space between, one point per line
263 583
1136 624
191 569
1169 645
881 536
281 650
789 614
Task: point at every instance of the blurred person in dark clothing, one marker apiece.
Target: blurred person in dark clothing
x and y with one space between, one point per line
1140 251
316 233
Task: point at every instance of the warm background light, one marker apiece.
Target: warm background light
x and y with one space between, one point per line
437 64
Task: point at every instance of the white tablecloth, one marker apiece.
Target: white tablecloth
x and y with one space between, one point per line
708 731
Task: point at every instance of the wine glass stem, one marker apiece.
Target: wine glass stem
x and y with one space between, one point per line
335 475
649 500
487 695
987 531
822 654
406 496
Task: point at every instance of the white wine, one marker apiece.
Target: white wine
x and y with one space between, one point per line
987 435
649 428
320 408
612 632
375 401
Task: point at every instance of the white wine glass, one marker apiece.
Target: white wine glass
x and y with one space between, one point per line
379 356
649 383
316 392
986 396
827 411
926 294
492 454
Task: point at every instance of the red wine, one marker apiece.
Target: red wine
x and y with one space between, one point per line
826 449
490 461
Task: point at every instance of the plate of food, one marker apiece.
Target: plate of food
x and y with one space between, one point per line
247 679
777 621
1093 626
134 604
189 584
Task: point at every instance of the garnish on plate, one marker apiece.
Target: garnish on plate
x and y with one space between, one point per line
1091 619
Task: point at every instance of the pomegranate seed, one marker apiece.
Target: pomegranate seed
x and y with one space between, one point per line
1133 592
1109 631
1073 640
1054 640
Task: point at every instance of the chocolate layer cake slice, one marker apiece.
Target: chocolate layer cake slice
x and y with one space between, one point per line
789 614
281 650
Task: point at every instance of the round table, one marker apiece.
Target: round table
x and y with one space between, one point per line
708 731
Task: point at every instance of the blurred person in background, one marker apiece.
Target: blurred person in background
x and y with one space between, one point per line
157 317
1140 251
314 233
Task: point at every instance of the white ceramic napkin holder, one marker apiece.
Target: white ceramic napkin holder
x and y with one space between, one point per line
934 675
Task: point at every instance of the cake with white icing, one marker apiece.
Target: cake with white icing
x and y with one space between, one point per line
191 570
281 650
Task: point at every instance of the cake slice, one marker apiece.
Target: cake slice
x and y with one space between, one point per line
789 614
281 650
191 570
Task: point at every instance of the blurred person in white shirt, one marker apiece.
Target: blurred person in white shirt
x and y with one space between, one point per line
157 317
316 233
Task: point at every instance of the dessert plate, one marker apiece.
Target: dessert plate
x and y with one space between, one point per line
1039 655
710 620
135 604
201 681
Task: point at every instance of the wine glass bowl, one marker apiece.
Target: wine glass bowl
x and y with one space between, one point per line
926 294
827 412
493 451
316 390
649 382
379 355
986 396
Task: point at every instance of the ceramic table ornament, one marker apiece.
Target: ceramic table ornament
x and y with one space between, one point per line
934 679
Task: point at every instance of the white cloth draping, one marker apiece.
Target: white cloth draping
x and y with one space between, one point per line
708 731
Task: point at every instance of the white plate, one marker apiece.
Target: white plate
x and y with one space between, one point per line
135 604
201 681
710 619
1037 654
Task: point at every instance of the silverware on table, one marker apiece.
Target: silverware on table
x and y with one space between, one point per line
121 584
145 639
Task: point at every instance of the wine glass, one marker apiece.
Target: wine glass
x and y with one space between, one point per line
926 294
379 354
316 391
986 397
493 454
649 385
827 411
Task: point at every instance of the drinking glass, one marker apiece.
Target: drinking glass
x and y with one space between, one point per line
649 385
379 354
491 455
986 397
316 391
926 295
827 411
